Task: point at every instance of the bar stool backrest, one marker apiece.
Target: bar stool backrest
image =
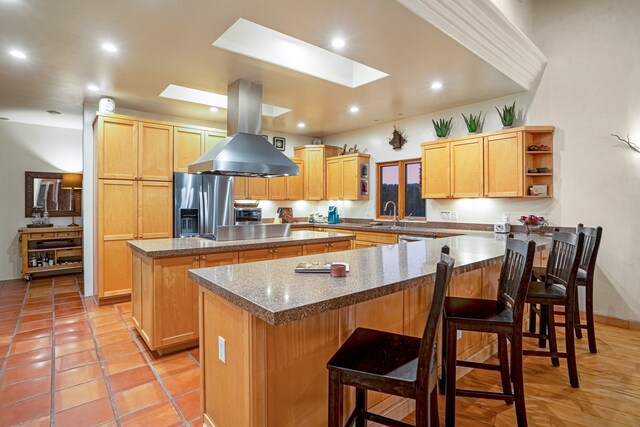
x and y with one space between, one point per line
426 357
564 260
515 275
592 237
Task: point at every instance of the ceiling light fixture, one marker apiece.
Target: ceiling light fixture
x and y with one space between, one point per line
354 109
338 43
436 85
18 54
213 109
53 112
301 125
109 47
93 88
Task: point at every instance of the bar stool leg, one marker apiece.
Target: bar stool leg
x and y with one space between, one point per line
591 330
571 350
335 400
442 383
518 379
544 327
450 411
504 366
434 418
576 316
361 405
553 342
532 318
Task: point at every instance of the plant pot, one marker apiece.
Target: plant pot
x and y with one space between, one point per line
507 127
472 133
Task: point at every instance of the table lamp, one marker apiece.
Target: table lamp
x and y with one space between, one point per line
72 181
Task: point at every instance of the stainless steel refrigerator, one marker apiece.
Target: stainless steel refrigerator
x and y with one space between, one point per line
200 203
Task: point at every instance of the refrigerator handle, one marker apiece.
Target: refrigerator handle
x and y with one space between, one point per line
201 209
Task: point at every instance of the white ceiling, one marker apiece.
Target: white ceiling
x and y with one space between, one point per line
164 42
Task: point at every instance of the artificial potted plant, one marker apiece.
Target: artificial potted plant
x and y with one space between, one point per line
442 127
472 122
507 115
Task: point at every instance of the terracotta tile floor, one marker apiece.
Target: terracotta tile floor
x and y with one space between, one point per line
66 362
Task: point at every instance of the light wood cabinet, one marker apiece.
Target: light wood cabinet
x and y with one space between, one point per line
240 188
436 171
314 157
211 139
345 176
63 247
496 164
255 255
188 145
257 188
165 300
466 168
287 187
323 248
503 154
368 239
128 210
117 142
155 152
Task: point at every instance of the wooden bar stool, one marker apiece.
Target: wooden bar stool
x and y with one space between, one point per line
558 289
503 316
391 363
586 271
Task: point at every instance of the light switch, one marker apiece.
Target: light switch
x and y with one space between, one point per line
222 350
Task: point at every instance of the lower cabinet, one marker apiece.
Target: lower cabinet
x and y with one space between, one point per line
323 248
165 301
367 239
255 255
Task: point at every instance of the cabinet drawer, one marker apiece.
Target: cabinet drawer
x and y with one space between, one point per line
338 230
318 248
287 251
254 255
359 244
69 234
66 253
339 246
376 237
41 235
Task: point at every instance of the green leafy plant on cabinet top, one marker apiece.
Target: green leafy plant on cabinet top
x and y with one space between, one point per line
472 122
507 115
442 127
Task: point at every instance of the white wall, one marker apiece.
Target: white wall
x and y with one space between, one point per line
519 12
25 147
588 91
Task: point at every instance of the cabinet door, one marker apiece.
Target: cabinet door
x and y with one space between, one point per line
503 165
188 145
210 140
295 184
214 260
467 175
334 179
340 246
316 248
117 148
176 296
254 255
277 188
155 152
314 170
257 188
436 171
155 209
350 179
240 188
117 223
287 251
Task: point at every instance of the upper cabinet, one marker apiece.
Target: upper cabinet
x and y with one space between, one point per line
191 143
314 157
348 177
508 163
117 142
155 152
288 187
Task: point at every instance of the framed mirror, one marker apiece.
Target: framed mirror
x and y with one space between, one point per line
43 190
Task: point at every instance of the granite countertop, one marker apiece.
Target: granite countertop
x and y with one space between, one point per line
412 230
157 248
273 292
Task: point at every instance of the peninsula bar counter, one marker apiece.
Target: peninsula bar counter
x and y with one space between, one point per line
279 328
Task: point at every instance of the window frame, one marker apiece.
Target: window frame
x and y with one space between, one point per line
401 187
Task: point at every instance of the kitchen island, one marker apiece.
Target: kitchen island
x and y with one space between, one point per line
165 301
267 332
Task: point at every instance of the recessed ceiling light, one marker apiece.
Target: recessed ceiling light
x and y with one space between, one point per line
401 114
436 85
376 120
338 43
213 109
109 47
53 112
301 125
354 109
93 88
18 54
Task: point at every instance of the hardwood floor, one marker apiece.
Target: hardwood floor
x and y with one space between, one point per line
66 362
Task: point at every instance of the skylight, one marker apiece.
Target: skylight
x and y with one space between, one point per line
262 43
182 93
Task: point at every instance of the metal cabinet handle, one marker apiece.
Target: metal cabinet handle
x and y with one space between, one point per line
196 258
275 250
203 257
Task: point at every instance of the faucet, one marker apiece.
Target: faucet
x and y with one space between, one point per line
395 210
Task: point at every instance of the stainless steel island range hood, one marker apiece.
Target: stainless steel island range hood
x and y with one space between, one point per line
244 152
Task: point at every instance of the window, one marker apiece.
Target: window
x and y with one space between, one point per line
400 183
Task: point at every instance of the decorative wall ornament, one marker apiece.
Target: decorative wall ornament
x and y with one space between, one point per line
398 138
344 150
628 142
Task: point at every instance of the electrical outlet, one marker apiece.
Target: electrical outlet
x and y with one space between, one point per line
222 350
506 216
459 337
454 215
445 214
